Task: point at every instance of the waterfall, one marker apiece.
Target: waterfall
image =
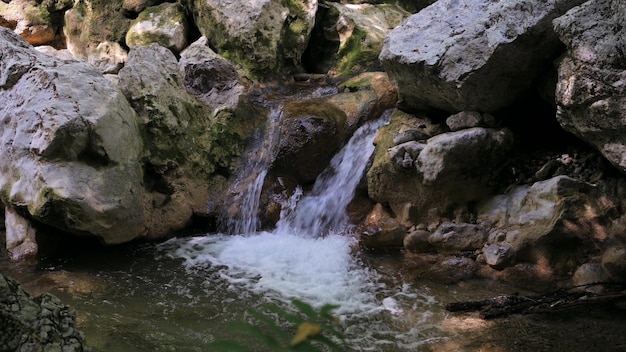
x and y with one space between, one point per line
324 209
246 191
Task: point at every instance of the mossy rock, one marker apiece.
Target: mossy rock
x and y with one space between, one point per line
164 24
91 22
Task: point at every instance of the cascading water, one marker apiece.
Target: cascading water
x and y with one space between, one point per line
251 179
324 209
309 256
305 257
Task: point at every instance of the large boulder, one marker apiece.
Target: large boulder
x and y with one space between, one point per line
185 143
591 88
554 223
92 22
70 147
438 173
263 36
210 78
313 130
472 55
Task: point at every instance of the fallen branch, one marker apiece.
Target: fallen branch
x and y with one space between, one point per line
504 305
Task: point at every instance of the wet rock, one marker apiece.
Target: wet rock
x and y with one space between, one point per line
591 87
311 133
364 97
455 269
451 237
70 145
441 60
381 230
164 24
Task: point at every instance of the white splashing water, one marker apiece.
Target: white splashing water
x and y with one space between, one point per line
305 258
253 176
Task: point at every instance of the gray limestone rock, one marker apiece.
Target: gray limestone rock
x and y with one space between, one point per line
70 145
591 87
478 55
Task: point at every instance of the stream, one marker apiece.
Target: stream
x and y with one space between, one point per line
181 295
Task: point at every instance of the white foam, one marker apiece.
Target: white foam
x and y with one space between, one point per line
285 267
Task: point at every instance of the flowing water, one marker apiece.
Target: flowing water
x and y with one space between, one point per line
182 294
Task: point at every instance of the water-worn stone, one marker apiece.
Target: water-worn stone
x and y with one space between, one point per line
164 24
471 55
451 237
364 97
591 87
70 145
551 221
614 262
590 273
311 133
381 230
264 36
499 255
